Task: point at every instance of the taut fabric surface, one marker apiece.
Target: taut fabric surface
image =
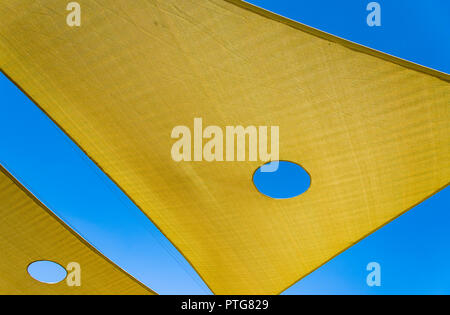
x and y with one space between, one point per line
373 132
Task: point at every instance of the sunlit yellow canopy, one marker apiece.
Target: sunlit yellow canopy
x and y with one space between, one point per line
372 130
29 232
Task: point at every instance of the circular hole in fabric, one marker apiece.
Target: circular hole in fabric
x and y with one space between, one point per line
47 271
281 179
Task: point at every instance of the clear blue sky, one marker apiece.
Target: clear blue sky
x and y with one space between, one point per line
413 251
415 30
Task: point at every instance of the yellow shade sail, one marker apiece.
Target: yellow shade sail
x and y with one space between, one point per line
29 232
370 129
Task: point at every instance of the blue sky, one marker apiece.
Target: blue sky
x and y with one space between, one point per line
415 30
413 251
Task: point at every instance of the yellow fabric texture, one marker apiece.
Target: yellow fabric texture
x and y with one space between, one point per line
29 232
372 130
